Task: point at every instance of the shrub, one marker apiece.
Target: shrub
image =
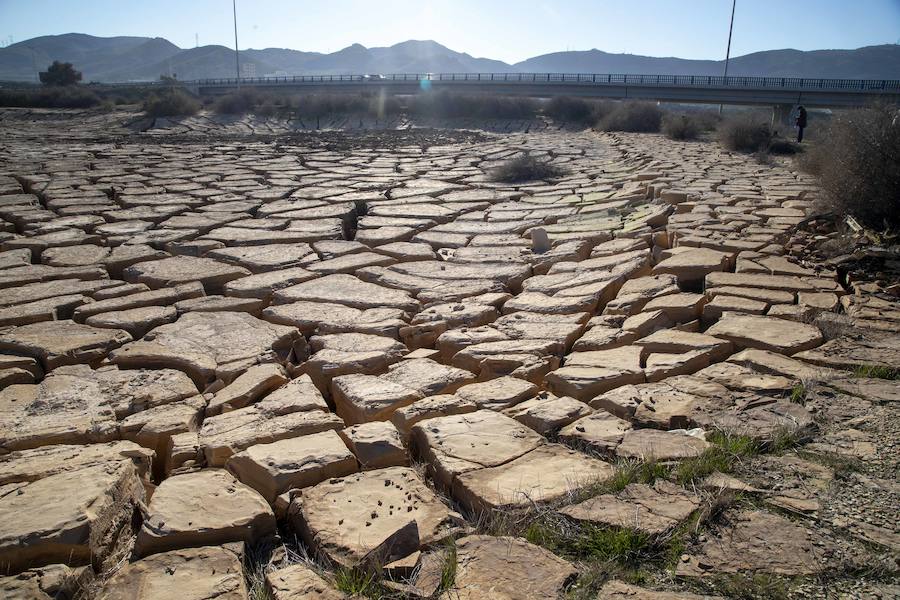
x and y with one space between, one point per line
857 163
237 103
305 106
744 134
636 117
60 73
762 157
49 97
172 103
783 147
574 110
320 105
486 106
526 168
680 127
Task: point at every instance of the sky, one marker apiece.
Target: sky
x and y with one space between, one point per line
508 30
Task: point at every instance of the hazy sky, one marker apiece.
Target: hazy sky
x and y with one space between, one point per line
509 30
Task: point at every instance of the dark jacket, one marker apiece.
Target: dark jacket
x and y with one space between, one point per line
801 117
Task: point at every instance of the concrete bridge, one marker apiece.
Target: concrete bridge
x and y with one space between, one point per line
781 93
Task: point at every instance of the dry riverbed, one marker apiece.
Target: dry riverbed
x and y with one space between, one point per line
241 358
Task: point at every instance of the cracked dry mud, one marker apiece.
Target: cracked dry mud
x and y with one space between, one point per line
220 335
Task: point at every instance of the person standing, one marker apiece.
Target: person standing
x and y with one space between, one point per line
800 122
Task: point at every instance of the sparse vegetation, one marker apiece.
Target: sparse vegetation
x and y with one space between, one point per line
798 394
726 451
60 74
637 472
364 583
50 97
745 133
783 147
681 127
574 110
784 439
257 558
877 372
237 103
448 569
587 541
840 464
526 168
832 325
746 586
171 103
486 106
636 117
857 162
305 106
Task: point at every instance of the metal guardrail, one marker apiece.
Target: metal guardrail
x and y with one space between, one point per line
690 81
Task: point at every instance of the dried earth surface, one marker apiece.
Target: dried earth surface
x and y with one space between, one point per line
240 359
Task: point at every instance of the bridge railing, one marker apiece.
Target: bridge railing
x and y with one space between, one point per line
700 81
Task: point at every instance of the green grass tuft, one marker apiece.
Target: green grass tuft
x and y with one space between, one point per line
877 372
448 570
727 450
359 582
798 394
784 439
590 542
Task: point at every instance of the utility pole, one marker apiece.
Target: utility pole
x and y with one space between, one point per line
728 49
237 59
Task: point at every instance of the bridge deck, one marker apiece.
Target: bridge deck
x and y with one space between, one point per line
671 88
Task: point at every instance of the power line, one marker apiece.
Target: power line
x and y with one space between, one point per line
728 48
237 60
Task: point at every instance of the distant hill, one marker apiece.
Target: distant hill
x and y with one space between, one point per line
143 59
109 59
871 62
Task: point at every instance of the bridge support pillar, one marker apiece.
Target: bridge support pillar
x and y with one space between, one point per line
781 116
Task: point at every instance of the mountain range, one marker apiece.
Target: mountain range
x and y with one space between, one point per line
117 59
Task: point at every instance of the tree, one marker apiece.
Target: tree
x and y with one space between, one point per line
60 74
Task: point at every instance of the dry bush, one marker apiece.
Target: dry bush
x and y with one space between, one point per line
173 103
681 127
744 134
575 110
526 168
857 163
637 117
305 106
782 146
485 106
50 97
321 105
238 103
